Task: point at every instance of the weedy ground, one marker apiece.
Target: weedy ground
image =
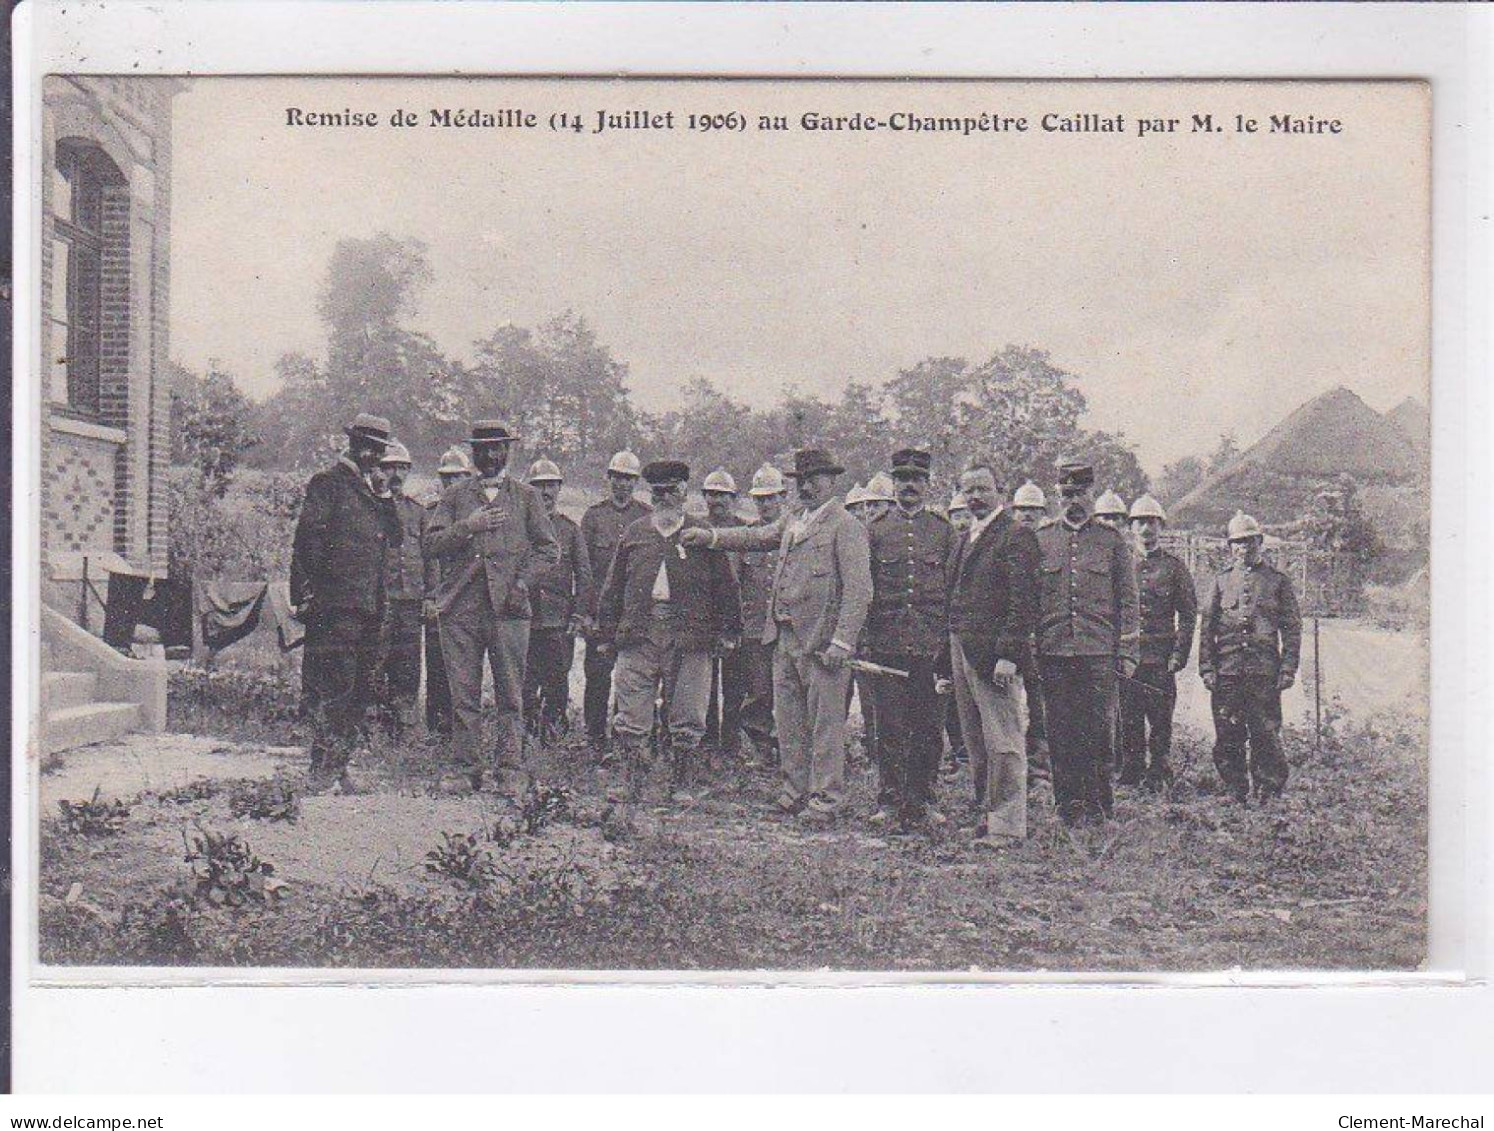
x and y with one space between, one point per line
1332 876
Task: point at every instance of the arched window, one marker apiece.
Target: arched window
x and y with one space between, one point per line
79 177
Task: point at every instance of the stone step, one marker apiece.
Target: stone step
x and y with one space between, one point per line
60 690
72 727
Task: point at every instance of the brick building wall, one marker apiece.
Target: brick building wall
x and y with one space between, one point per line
104 460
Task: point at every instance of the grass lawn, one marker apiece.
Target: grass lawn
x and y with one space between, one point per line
1333 876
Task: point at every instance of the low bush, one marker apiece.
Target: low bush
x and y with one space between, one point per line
94 817
240 701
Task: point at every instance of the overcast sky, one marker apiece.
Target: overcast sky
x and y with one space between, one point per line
1194 282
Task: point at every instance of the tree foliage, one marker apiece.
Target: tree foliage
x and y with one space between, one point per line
213 425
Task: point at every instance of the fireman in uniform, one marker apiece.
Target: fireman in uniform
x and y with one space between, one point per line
562 599
769 493
728 685
455 466
404 584
1169 612
601 529
1249 645
906 629
1030 509
1110 510
1088 638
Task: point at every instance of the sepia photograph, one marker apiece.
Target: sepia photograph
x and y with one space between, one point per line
939 527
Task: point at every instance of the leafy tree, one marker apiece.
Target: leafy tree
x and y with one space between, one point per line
213 424
1179 478
1225 453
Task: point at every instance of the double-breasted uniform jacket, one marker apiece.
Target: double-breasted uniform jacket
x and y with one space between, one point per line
703 589
1089 601
822 582
994 594
1169 609
342 537
910 582
1251 623
564 589
405 569
602 528
755 574
508 560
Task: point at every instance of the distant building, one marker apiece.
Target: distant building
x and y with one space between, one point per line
106 240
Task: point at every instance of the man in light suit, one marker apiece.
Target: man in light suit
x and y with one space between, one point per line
494 541
816 609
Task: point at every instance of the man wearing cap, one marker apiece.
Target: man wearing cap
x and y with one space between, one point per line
907 630
993 611
1249 644
769 493
404 587
1089 637
455 466
342 537
494 540
816 610
1169 612
664 608
562 600
1030 509
601 529
728 685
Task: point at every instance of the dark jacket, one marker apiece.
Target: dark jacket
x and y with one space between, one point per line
564 589
994 592
755 571
1251 623
1169 609
702 589
509 560
910 583
602 528
404 571
341 539
1089 603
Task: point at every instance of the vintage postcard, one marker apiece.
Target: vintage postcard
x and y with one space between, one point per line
622 525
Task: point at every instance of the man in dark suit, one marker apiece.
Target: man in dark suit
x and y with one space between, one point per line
343 536
494 541
993 613
664 609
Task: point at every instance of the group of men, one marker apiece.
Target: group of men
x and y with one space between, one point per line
1058 638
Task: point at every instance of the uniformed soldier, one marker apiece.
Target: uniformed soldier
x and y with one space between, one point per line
959 513
1169 612
404 584
337 589
1029 505
601 529
562 599
455 466
1030 509
1088 637
856 502
664 608
728 684
1249 645
494 541
860 502
906 629
769 493
1110 510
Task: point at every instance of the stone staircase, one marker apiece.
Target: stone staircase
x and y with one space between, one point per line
73 716
89 692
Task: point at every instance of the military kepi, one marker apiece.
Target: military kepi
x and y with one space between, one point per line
1079 472
368 427
666 472
911 461
814 461
490 432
